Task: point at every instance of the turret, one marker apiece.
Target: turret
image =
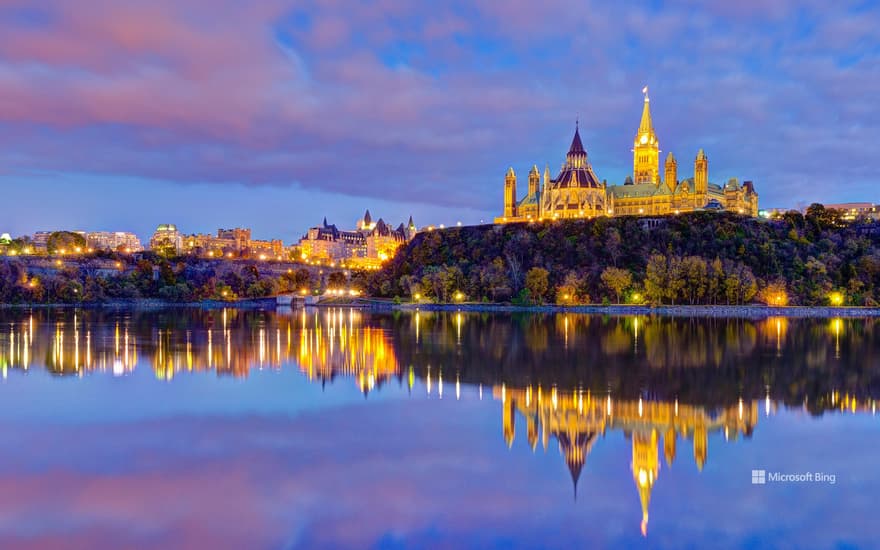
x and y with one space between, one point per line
532 431
670 173
508 421
669 445
510 194
534 180
701 174
701 444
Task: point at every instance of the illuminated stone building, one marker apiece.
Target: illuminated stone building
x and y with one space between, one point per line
368 246
577 419
235 242
578 193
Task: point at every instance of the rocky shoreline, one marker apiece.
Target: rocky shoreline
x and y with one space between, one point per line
749 312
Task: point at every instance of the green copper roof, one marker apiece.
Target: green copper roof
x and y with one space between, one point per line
640 190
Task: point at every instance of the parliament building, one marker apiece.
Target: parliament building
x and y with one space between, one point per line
578 193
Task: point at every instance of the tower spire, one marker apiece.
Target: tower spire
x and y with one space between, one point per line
646 126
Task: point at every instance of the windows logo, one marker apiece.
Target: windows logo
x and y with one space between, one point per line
759 477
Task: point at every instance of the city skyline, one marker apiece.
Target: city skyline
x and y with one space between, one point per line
127 116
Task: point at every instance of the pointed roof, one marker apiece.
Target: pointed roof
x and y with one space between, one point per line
701 155
325 221
367 218
670 157
575 448
510 172
646 126
534 169
410 223
577 146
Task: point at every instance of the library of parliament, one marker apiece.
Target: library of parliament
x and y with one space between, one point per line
578 193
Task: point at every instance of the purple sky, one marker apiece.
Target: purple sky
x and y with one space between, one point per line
124 114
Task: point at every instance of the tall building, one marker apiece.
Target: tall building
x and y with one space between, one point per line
114 240
167 237
578 193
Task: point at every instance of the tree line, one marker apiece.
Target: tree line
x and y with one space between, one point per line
153 277
695 258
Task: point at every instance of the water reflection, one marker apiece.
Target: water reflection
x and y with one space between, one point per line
573 379
576 419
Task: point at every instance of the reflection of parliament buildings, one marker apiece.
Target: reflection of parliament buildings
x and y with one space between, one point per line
576 419
330 343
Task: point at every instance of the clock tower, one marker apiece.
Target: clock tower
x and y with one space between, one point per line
646 148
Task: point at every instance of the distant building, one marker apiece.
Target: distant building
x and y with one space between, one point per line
40 240
367 246
166 236
114 240
578 193
853 210
235 242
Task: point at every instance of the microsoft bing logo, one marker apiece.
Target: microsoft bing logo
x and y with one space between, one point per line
759 477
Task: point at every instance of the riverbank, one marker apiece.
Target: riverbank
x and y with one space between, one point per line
148 304
747 312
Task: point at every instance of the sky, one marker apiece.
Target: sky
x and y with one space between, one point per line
124 114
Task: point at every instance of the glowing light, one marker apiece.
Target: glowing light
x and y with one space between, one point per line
836 298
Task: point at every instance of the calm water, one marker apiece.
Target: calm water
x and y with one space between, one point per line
342 429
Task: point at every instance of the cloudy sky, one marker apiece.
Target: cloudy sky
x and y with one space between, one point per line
123 114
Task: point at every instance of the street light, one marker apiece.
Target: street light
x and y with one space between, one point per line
836 298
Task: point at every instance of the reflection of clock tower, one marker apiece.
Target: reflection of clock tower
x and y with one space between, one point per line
646 149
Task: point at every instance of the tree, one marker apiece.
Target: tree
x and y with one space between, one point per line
537 283
694 272
616 280
656 278
774 294
494 280
337 279
612 246
569 292
715 281
66 241
675 279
